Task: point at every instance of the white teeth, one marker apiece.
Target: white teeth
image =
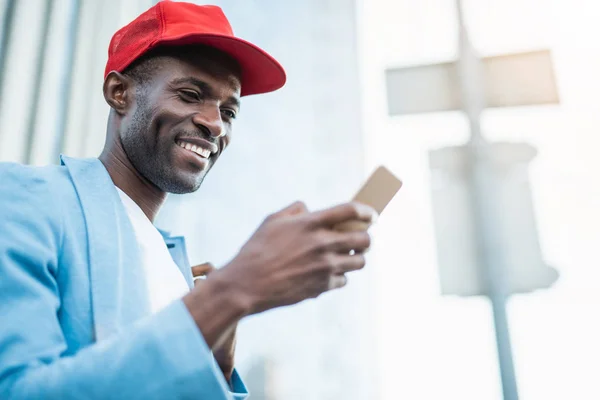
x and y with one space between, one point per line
202 153
192 147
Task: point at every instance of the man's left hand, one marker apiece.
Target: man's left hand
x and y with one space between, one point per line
224 348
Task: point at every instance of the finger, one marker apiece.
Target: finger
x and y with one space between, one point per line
353 211
352 226
345 242
297 207
337 281
202 269
348 263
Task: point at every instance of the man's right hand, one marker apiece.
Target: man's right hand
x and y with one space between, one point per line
294 255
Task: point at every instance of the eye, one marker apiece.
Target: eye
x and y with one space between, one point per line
230 114
189 95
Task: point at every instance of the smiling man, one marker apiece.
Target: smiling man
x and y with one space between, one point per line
96 303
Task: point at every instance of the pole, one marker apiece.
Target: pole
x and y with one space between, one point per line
485 207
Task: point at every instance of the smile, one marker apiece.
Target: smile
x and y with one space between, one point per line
204 153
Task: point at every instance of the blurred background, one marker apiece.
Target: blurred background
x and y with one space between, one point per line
409 326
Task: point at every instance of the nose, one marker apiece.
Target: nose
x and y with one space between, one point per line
210 118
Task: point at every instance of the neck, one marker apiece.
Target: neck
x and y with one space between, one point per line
124 175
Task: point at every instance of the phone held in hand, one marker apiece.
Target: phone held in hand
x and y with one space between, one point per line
377 191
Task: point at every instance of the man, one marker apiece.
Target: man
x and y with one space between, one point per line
95 302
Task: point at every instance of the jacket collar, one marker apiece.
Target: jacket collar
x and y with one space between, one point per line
176 246
119 295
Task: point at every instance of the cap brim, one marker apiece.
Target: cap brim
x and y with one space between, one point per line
261 73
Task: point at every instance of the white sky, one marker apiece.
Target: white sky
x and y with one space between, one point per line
432 347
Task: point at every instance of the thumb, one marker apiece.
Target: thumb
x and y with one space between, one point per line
200 272
297 207
202 269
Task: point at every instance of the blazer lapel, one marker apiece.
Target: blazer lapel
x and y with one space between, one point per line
176 245
119 295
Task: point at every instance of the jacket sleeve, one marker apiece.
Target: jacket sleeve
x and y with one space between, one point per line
160 357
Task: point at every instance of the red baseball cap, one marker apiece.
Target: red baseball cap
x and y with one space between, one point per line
179 23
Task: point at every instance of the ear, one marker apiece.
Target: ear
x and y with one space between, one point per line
118 91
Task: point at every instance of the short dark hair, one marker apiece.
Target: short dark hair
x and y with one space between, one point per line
142 69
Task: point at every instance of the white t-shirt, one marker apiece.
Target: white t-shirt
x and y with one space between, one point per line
164 279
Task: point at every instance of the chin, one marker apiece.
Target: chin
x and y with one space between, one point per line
181 185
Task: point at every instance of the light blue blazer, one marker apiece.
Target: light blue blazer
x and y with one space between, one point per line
74 318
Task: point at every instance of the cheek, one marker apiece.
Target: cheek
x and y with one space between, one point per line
139 128
172 116
226 140
166 124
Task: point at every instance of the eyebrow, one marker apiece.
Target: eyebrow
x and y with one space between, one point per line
207 89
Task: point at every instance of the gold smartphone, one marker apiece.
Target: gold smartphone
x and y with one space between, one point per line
377 192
